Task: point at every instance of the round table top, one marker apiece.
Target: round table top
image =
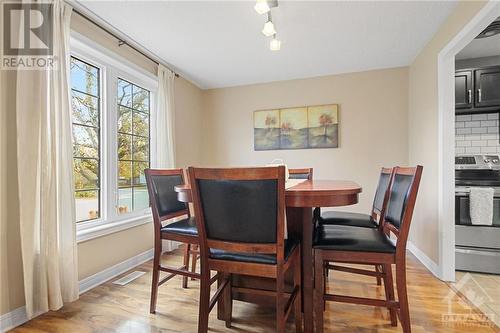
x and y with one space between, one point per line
309 193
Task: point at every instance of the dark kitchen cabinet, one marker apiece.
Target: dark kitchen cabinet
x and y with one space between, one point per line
487 82
477 90
463 90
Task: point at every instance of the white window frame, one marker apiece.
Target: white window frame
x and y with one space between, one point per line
112 67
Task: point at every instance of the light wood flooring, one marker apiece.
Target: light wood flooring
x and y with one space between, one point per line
434 307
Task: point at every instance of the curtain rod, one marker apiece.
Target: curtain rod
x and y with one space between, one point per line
121 41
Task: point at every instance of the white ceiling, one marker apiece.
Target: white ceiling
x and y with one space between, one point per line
483 47
219 44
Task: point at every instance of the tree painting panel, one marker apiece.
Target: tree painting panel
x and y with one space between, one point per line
266 130
323 126
293 124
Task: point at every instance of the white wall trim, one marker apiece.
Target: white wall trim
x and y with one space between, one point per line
424 259
115 270
446 136
13 319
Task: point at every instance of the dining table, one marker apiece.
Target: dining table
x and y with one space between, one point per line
301 197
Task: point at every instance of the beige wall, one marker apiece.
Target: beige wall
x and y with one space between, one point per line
373 125
100 253
423 127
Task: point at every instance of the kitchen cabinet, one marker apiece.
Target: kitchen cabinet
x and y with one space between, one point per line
477 90
463 90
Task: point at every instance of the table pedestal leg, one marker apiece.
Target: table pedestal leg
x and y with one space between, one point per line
300 225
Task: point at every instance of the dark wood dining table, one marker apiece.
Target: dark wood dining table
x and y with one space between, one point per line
300 201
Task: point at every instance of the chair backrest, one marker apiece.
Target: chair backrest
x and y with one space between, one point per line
303 173
239 209
382 193
402 196
162 196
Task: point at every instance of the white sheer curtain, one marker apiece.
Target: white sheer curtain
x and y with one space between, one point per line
164 128
44 154
164 120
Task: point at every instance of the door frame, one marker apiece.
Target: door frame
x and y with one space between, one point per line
446 137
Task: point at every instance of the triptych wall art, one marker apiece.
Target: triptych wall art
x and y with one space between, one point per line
297 128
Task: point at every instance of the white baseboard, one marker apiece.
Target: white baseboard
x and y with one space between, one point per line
13 319
110 272
424 259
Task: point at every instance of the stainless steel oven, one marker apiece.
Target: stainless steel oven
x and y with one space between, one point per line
477 247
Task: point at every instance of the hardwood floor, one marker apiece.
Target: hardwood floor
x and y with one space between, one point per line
113 308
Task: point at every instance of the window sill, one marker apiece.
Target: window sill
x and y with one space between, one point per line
103 229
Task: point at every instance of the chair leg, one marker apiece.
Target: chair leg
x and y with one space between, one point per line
280 306
404 309
204 302
389 292
319 291
297 281
228 302
378 269
156 276
194 260
187 253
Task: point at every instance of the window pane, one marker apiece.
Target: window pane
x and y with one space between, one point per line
141 198
124 147
124 173
86 174
85 141
124 93
85 109
84 77
141 99
138 175
124 200
141 149
141 124
124 120
87 205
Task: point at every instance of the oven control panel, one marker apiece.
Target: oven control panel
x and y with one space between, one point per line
477 162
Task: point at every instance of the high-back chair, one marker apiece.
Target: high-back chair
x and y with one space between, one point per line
241 224
368 246
165 206
301 173
362 220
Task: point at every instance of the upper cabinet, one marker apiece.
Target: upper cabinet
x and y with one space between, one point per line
477 90
463 90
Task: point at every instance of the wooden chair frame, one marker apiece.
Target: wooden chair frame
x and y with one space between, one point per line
159 236
397 308
377 215
299 171
225 268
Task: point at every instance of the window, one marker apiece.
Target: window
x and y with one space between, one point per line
113 104
133 146
85 101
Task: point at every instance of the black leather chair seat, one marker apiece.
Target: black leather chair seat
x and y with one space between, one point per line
184 227
347 218
347 238
268 259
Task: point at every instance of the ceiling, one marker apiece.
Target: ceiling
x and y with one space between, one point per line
483 47
219 44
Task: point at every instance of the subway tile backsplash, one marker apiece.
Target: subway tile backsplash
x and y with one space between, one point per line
477 134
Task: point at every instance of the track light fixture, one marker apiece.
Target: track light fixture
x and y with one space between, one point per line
262 7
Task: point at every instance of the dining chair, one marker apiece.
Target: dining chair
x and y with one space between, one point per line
164 207
240 218
359 219
370 246
301 173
